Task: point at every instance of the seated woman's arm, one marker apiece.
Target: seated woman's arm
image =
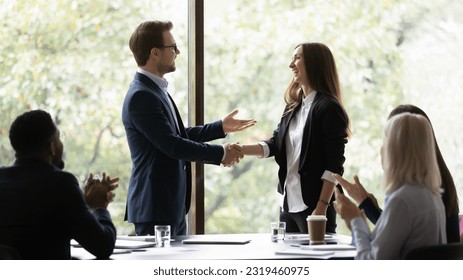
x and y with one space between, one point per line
371 209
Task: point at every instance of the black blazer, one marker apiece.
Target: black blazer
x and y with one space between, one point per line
160 183
323 144
42 209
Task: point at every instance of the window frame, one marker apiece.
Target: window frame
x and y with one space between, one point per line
196 219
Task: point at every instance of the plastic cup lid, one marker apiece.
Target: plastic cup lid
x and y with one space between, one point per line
316 218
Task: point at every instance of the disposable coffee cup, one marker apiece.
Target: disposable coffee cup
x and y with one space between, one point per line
317 227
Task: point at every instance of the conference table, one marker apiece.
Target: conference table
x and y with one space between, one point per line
254 246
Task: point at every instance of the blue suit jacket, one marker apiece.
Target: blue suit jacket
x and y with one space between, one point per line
160 182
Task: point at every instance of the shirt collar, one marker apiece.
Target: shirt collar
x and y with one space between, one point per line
161 82
307 101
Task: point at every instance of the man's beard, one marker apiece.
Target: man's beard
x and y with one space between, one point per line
59 164
170 68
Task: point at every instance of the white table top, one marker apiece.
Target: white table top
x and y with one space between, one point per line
260 247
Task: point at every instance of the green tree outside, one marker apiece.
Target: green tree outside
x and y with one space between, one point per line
72 59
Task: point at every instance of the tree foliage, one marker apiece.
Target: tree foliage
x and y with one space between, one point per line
248 49
71 58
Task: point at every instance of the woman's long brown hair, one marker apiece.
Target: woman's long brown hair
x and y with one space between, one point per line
322 75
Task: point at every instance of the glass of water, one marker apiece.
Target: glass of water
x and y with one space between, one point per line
277 231
162 233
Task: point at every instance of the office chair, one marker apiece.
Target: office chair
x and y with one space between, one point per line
451 251
8 253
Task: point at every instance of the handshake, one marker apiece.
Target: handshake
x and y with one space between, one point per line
233 154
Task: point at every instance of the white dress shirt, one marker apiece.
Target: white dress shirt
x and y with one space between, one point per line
294 143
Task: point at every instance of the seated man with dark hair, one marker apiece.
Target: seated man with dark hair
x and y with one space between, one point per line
42 207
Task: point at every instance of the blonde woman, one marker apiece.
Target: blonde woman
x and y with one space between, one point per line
414 215
367 202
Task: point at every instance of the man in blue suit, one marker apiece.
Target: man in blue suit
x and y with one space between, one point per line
161 148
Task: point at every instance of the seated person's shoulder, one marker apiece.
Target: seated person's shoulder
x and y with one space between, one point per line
63 179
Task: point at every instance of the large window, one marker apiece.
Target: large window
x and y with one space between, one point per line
72 59
387 53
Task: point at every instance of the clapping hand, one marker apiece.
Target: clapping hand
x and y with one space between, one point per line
99 193
354 190
345 207
111 185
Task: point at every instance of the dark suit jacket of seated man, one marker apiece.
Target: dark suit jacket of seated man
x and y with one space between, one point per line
42 208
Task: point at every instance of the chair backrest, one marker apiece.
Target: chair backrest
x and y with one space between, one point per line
452 251
8 253
461 227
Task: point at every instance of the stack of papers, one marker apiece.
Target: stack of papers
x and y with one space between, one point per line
124 244
222 240
298 251
303 239
330 247
133 244
149 238
315 250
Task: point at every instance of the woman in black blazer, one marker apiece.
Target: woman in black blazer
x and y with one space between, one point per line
308 144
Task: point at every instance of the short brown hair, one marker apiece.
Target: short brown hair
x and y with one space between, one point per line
148 35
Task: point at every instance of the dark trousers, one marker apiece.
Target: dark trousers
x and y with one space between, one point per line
297 223
148 228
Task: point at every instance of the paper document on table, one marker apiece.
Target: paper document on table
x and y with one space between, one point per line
297 251
303 239
328 247
131 244
150 238
221 240
124 244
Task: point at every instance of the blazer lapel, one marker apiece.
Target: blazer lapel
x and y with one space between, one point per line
283 129
179 119
157 90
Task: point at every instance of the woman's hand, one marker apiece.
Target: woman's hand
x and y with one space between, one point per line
345 207
354 190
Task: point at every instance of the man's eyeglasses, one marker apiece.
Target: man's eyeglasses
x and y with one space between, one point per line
172 46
